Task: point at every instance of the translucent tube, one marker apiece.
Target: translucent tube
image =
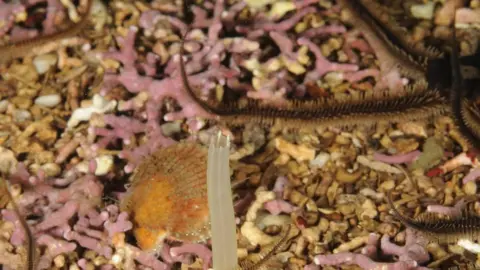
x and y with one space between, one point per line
220 203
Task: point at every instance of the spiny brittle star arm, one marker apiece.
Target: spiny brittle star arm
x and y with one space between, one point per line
459 106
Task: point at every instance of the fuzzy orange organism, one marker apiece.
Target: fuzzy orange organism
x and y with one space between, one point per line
168 196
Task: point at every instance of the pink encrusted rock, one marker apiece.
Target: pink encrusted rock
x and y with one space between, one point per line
279 205
122 224
322 65
148 20
200 250
413 250
57 208
280 184
63 227
361 260
59 217
397 159
7 15
54 247
390 74
451 211
169 255
288 23
55 11
467 16
157 91
18 236
275 207
409 256
147 259
324 30
206 53
473 175
20 33
87 234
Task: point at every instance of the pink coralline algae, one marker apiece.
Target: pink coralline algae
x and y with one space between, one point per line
450 211
7 15
473 175
222 51
279 205
410 256
126 128
54 10
261 57
397 159
71 216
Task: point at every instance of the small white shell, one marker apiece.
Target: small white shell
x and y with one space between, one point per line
48 100
320 160
43 62
424 11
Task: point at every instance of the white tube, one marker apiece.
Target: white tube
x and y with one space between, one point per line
220 203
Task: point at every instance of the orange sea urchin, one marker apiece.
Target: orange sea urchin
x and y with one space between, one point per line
168 196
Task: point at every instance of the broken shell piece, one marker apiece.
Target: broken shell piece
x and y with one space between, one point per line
293 66
51 169
312 234
298 152
459 160
297 198
242 253
413 128
469 245
346 209
262 196
436 250
388 229
332 192
72 11
254 235
423 11
100 13
470 188
21 115
8 161
282 159
265 220
103 165
280 8
377 165
369 209
44 62
258 4
352 244
387 185
99 105
300 246
368 192
3 105
343 176
59 261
